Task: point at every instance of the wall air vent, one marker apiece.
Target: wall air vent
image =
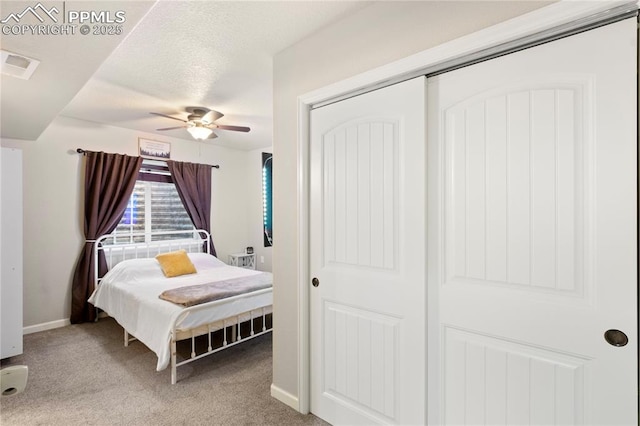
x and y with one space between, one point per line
17 65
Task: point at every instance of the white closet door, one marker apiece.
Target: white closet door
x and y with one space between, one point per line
533 234
368 253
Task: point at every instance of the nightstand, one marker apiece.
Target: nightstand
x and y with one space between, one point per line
243 260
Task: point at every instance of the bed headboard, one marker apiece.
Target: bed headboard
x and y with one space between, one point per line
152 244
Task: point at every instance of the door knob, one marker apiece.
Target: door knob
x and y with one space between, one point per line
616 337
315 282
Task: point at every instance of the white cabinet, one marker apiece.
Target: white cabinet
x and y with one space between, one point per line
243 260
10 252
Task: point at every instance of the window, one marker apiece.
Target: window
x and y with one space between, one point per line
267 205
154 206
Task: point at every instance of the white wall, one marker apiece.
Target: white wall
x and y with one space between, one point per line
53 221
374 36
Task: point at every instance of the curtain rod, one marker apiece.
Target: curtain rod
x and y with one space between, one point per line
82 151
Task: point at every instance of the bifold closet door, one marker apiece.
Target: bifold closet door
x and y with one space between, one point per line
367 256
533 234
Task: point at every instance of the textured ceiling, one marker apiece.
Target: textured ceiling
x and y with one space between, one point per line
171 55
66 63
201 53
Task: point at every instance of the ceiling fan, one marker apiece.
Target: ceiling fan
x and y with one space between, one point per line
200 123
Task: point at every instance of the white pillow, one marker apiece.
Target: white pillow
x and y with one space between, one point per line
205 261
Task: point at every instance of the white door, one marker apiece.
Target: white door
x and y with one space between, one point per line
533 235
367 251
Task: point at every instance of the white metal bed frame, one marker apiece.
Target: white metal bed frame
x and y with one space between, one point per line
151 248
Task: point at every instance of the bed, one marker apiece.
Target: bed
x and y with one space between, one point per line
132 289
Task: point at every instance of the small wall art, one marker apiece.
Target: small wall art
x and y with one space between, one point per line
154 149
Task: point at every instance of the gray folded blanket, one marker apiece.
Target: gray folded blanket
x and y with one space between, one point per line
203 293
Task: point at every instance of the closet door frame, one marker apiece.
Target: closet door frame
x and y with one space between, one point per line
555 19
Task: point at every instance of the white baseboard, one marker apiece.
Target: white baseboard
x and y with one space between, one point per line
285 397
46 326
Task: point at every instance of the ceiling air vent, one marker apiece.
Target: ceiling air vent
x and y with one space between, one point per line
17 65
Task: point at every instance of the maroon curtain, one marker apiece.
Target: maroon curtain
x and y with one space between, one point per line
108 184
193 182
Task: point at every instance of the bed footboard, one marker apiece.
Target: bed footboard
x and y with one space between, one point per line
231 336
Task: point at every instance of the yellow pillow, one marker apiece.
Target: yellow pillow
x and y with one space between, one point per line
176 263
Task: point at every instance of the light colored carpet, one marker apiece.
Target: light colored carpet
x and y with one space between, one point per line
83 375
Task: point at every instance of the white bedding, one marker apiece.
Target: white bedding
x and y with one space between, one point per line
129 293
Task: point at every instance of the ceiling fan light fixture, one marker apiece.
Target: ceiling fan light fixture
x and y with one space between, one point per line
199 132
200 123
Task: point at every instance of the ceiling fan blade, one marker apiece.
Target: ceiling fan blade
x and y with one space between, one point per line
212 116
168 116
171 128
212 136
236 128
